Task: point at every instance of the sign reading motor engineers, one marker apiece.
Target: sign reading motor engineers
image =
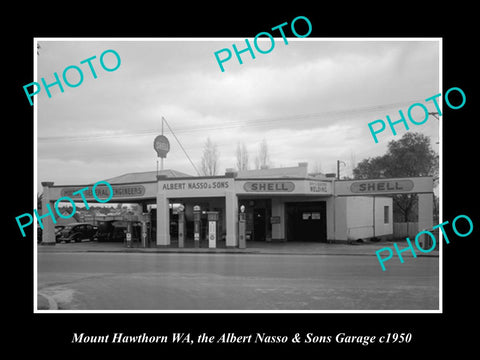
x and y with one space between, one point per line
103 191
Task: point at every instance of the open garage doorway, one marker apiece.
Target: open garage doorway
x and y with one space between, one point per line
306 221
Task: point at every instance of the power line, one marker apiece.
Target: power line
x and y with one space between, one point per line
179 143
232 124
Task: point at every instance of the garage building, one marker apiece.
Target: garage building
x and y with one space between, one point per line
281 204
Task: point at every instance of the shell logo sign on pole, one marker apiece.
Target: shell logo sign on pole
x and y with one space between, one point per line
161 146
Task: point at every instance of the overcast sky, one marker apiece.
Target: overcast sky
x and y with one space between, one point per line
311 100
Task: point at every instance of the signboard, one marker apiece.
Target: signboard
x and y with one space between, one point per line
193 187
318 187
269 186
419 185
379 186
161 146
104 191
212 215
275 220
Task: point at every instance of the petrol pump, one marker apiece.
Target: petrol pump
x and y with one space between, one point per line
212 228
128 234
197 220
242 243
144 234
145 221
181 226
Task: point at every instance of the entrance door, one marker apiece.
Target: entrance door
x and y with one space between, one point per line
258 212
306 221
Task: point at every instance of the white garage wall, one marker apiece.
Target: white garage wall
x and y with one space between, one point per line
354 217
359 217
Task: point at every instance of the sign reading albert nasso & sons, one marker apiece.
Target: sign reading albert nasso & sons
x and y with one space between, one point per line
379 186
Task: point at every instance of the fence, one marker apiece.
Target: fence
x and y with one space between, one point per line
410 230
405 229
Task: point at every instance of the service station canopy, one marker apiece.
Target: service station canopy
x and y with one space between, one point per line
219 186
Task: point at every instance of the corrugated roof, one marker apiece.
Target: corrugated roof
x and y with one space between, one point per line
145 176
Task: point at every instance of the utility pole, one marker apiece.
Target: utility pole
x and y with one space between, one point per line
435 114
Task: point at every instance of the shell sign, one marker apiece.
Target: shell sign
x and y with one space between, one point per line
161 146
269 186
381 186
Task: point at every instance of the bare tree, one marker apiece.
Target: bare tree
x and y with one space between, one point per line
317 167
262 160
242 157
209 165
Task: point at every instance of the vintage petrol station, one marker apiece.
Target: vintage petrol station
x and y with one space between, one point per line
277 204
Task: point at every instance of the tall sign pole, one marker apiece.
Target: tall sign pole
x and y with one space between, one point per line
162 147
161 159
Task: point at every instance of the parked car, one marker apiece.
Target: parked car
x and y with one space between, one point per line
58 231
116 230
77 232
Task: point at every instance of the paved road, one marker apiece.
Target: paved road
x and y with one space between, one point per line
146 281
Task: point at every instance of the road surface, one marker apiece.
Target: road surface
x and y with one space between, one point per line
159 281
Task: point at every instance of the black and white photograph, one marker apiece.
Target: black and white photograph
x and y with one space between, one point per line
228 180
207 174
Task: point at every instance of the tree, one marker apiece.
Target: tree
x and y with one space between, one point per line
410 156
317 167
242 157
371 168
209 162
262 160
